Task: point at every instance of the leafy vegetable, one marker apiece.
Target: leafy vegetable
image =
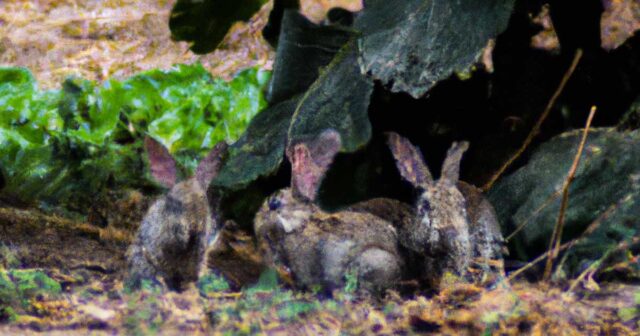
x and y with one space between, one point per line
65 146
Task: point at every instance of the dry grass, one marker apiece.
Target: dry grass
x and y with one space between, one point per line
100 39
113 38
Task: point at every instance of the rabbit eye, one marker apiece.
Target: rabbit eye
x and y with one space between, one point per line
274 204
425 207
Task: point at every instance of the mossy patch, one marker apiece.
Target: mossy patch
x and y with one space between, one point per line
18 288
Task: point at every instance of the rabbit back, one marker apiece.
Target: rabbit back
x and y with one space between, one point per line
484 228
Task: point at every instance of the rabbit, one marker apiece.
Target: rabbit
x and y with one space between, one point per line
455 228
315 248
171 239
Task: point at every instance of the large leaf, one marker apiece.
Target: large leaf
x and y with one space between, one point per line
413 44
271 31
260 150
607 178
339 99
204 23
303 49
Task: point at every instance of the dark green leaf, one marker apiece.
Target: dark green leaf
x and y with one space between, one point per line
339 99
413 44
606 177
304 49
260 150
204 23
271 31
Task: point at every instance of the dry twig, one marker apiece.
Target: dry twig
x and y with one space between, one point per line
590 229
556 237
536 127
623 245
546 203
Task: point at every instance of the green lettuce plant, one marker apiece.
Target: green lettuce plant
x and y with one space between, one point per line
63 147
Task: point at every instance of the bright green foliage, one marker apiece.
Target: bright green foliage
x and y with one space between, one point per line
8 259
144 313
212 283
68 145
630 313
351 284
32 283
8 295
18 287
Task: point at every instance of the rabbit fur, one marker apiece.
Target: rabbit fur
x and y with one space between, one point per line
455 229
317 248
171 239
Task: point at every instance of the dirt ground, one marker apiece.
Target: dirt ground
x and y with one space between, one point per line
88 262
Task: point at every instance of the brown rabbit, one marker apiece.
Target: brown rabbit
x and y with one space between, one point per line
320 248
455 225
173 234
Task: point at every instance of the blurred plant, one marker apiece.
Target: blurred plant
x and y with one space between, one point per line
145 314
66 146
18 289
8 258
351 284
212 283
630 313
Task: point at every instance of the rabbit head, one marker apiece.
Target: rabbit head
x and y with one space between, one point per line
172 236
287 208
441 228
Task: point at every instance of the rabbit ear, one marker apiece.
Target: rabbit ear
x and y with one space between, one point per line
409 161
210 165
162 164
451 166
310 161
